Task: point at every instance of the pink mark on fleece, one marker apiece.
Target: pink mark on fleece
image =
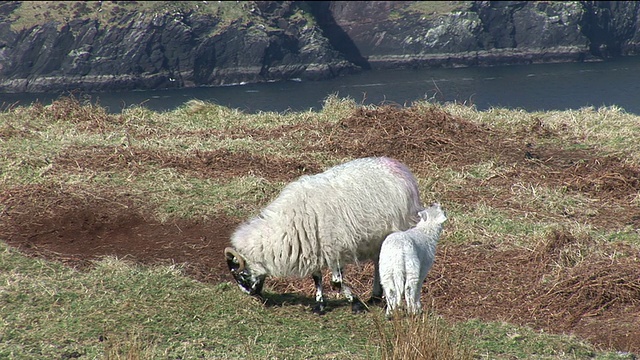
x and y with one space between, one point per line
402 171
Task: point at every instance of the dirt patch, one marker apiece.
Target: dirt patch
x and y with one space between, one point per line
553 286
545 292
211 164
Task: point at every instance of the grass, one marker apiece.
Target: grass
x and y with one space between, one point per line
29 14
421 337
438 7
429 9
608 129
122 310
109 13
503 340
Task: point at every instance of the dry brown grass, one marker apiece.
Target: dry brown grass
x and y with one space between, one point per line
422 337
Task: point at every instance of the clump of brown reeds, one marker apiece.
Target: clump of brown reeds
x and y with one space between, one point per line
418 337
83 113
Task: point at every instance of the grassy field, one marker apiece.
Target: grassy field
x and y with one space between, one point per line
119 310
539 259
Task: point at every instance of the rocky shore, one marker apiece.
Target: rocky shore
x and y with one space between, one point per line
106 46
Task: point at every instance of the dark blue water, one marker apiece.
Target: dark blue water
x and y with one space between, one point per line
528 87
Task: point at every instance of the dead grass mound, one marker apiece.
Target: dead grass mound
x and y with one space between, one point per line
411 136
84 114
589 289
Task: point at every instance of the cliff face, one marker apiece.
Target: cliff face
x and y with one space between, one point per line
174 48
389 34
184 46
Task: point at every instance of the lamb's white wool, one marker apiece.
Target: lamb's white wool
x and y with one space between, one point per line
406 257
330 219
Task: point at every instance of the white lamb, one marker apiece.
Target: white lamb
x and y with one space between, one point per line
406 257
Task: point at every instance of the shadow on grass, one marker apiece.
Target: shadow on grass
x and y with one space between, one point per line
292 299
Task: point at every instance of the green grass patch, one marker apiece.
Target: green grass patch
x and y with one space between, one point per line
121 310
109 13
49 311
496 340
179 196
609 129
484 224
438 7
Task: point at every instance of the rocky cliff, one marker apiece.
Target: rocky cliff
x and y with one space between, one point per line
407 33
53 46
163 47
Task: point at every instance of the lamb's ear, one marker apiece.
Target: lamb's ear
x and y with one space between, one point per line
424 215
436 214
234 260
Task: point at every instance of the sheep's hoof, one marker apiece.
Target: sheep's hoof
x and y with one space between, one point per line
375 301
319 308
358 307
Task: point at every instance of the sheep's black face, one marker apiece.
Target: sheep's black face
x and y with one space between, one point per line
250 284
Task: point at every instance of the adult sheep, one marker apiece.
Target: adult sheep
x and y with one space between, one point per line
326 220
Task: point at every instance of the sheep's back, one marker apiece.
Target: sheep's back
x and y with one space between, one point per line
339 216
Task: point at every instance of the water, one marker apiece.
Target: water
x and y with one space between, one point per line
529 87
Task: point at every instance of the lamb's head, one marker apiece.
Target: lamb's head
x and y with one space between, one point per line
433 215
248 281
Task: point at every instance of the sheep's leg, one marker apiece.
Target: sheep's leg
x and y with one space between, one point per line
392 299
357 306
376 294
320 306
412 298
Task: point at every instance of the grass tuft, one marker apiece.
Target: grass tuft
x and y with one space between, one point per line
419 337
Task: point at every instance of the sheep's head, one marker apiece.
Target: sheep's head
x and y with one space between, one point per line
433 215
247 281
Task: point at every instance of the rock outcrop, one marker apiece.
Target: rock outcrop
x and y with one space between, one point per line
185 46
388 34
152 50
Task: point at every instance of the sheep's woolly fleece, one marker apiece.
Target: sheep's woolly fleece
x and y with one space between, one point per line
599 302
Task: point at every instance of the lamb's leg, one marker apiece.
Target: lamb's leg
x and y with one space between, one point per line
320 306
392 300
376 294
357 306
412 297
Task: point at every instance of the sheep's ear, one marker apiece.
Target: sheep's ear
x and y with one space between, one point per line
435 214
235 262
441 217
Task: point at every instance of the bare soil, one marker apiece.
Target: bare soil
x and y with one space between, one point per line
598 299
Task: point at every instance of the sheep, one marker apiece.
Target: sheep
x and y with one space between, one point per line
406 257
328 219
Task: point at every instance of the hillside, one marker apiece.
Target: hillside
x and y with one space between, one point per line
543 207
114 45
